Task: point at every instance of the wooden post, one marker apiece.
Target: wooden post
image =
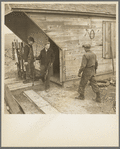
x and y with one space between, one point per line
64 67
104 40
61 69
111 46
108 39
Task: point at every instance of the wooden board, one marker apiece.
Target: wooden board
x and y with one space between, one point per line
108 39
55 80
113 39
11 102
63 68
20 85
61 61
10 81
40 102
53 17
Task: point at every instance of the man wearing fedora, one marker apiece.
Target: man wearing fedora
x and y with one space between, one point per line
88 69
46 58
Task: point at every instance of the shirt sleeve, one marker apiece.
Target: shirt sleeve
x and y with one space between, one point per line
83 64
26 52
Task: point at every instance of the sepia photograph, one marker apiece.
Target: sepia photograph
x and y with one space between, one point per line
60 59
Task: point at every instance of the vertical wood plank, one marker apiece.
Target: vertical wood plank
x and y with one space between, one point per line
61 66
64 68
104 39
108 39
111 46
114 40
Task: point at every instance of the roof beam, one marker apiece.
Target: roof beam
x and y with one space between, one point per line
65 12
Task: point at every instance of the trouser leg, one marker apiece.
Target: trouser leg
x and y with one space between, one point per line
82 85
42 71
28 72
32 71
95 88
94 85
47 82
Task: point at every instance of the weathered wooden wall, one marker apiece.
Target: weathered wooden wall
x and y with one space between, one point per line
109 39
70 32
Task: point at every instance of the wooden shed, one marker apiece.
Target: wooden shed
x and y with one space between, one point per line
68 27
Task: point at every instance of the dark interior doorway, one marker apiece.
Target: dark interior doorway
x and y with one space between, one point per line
56 65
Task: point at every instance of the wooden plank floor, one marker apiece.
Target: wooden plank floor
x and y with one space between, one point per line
40 102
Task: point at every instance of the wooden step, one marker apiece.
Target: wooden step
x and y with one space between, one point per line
20 85
40 102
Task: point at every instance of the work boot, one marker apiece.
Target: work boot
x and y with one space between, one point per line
27 81
98 99
81 97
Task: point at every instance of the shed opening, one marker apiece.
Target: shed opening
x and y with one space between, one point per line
55 76
23 27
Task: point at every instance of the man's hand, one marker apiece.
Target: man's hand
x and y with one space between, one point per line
25 63
51 64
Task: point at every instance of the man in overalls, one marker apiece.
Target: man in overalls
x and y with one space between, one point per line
88 69
29 60
47 58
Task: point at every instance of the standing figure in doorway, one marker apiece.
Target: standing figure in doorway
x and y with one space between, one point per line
88 69
47 58
29 60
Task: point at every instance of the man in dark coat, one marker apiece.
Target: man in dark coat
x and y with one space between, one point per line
47 58
29 60
88 69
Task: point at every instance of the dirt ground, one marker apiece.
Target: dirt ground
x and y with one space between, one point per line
63 99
